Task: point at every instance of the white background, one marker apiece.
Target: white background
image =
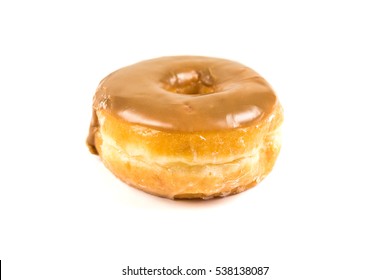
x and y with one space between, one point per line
323 213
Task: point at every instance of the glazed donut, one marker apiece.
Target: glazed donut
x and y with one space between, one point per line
186 127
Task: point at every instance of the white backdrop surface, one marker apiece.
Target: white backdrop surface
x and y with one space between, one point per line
323 213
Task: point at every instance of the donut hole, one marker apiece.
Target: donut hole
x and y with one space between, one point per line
190 82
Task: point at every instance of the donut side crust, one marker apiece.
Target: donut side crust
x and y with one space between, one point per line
197 165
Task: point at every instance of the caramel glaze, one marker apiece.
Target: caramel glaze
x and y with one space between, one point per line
184 94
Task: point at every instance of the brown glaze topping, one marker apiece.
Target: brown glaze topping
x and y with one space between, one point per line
185 94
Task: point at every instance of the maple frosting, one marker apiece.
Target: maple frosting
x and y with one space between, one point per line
184 94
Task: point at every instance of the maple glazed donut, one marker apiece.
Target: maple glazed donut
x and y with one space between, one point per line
186 126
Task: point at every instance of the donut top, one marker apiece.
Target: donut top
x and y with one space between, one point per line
185 94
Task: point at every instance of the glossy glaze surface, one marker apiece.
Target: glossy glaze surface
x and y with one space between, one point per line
184 94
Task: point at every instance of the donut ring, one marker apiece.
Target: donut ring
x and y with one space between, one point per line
186 126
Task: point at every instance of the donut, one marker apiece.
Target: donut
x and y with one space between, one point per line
186 127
